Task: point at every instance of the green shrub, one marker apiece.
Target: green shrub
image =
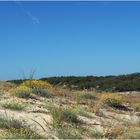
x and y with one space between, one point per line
15 129
67 133
14 105
7 122
95 134
113 99
64 115
22 91
83 112
42 92
49 106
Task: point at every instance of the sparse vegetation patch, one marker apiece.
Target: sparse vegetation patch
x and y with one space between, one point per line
64 114
21 91
13 105
8 122
113 99
22 133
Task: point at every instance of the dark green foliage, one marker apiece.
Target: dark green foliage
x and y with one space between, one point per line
130 82
64 115
17 82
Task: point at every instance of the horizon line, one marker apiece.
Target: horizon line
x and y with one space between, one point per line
115 75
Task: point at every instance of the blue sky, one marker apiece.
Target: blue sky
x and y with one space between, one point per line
69 38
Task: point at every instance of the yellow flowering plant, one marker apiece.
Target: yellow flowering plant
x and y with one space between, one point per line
39 87
112 99
21 91
38 84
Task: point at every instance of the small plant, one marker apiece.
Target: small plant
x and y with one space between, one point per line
14 105
64 115
77 97
94 134
67 133
49 106
21 91
16 129
112 99
136 106
88 96
42 92
22 133
132 132
83 112
115 131
95 107
61 92
7 122
1 93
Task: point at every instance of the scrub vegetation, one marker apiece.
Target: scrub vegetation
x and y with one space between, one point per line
36 109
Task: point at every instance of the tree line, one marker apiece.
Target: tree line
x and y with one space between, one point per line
129 82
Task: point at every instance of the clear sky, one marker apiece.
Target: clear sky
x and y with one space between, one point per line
69 38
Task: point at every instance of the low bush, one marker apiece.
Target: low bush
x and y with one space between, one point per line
16 129
113 99
22 91
14 105
94 134
49 106
88 96
39 87
83 112
67 133
64 115
37 84
42 92
7 122
136 106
